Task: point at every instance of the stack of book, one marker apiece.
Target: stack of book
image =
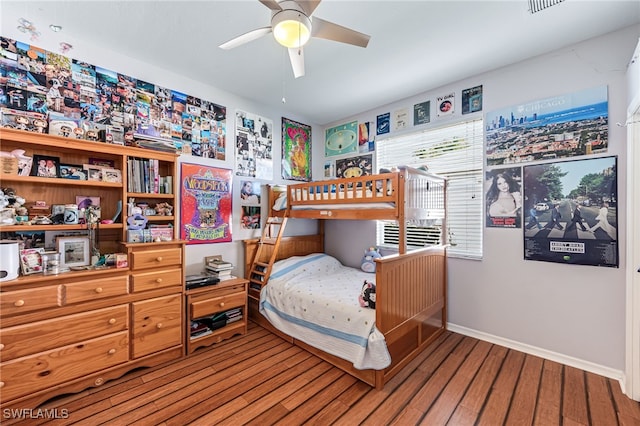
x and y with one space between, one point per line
219 269
234 315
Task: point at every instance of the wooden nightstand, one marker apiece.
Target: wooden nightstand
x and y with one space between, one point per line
204 304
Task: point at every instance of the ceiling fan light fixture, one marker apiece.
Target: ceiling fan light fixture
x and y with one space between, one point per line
291 28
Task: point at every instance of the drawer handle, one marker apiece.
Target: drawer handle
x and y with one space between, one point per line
1 346
159 258
98 290
111 351
18 303
221 304
1 384
112 321
159 325
159 280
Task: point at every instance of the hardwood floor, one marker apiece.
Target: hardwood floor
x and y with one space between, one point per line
260 379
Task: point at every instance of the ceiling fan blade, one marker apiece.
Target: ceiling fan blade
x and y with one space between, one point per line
245 38
308 5
296 55
330 31
271 4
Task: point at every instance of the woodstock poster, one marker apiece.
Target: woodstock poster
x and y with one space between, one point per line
205 214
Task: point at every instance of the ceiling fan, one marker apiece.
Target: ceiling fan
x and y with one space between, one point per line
292 26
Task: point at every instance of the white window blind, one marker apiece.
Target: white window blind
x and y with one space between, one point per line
455 152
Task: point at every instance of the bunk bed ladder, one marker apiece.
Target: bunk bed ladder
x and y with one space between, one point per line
267 246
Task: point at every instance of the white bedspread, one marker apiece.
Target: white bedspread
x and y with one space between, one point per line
314 298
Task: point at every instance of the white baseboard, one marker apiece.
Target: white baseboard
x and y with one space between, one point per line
542 353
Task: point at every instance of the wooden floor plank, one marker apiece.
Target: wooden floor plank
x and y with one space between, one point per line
524 399
574 397
495 410
601 408
259 379
549 406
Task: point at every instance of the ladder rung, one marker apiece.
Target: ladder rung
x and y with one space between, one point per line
251 280
262 264
269 241
254 271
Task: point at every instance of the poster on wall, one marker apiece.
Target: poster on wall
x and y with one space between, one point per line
383 123
341 139
361 165
472 100
296 150
250 217
422 113
366 140
445 105
254 145
557 127
205 213
400 119
503 198
571 212
329 169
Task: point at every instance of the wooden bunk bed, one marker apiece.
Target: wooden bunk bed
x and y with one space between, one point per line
410 285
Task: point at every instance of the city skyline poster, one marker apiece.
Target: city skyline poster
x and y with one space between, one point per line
557 127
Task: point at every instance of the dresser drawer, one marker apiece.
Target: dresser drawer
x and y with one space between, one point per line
83 291
33 299
46 369
143 281
157 324
40 336
156 258
207 307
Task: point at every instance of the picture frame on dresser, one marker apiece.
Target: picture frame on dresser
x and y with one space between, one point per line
31 261
74 251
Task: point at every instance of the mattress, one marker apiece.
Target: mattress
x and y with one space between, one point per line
314 299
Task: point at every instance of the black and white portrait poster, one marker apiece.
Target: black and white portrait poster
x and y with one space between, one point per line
254 145
571 212
503 198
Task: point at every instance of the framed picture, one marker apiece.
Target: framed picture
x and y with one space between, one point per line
72 171
46 166
31 261
111 175
74 251
93 172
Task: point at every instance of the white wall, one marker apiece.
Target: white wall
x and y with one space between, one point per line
572 313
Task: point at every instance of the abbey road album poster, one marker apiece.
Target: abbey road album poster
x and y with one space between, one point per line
558 127
571 212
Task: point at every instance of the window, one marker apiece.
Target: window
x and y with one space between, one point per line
455 152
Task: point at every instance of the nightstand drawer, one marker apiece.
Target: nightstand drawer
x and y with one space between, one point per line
47 369
155 258
33 299
40 336
96 289
210 306
143 281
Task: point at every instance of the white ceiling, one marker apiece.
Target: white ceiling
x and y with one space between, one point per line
415 45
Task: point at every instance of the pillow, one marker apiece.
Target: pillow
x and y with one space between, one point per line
314 263
281 202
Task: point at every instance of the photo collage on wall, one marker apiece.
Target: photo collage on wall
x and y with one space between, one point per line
46 92
567 209
254 146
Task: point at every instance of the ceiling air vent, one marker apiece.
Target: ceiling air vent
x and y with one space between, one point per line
538 5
